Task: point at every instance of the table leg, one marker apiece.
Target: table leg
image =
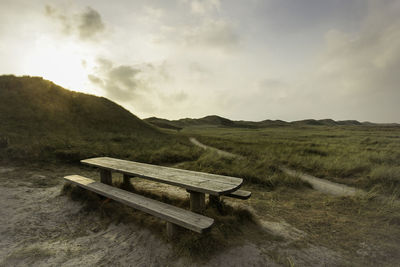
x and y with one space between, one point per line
105 176
127 178
172 230
197 201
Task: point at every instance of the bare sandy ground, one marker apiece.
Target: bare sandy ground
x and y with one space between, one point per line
41 227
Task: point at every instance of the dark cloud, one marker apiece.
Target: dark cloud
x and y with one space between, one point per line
140 86
90 24
50 11
61 18
96 80
87 24
120 83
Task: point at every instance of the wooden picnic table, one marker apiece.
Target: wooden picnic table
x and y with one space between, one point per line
196 183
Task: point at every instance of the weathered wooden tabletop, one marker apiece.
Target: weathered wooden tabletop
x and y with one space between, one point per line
195 181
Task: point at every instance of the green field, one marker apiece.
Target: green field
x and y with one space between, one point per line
366 157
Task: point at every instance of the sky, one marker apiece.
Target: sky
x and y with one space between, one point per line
244 60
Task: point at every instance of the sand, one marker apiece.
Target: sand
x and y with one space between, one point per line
41 227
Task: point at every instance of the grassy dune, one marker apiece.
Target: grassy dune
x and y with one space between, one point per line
43 122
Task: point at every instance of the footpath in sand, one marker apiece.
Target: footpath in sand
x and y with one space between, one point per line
318 184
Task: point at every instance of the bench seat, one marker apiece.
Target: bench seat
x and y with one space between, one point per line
169 213
240 194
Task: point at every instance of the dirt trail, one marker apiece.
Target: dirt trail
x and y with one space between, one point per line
220 152
318 184
322 185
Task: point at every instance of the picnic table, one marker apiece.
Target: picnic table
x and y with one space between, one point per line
197 185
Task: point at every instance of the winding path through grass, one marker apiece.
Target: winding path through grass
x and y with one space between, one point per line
205 147
318 184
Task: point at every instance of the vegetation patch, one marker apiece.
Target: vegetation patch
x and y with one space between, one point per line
359 156
261 172
363 227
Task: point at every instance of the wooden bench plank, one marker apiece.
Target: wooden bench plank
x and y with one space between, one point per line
195 181
175 215
241 194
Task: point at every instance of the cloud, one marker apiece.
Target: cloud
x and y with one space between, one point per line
87 24
273 89
141 86
90 23
61 18
212 33
355 74
204 6
174 98
196 24
366 66
120 83
49 10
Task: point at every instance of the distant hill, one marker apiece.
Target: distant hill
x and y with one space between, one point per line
213 121
38 116
179 124
217 121
162 123
327 122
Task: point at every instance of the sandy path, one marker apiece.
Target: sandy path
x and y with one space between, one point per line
322 185
318 184
220 152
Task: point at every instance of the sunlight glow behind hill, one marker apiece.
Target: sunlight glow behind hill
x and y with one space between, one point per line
62 64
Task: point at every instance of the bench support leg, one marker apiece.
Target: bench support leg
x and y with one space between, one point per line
105 177
127 179
172 230
214 200
197 201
